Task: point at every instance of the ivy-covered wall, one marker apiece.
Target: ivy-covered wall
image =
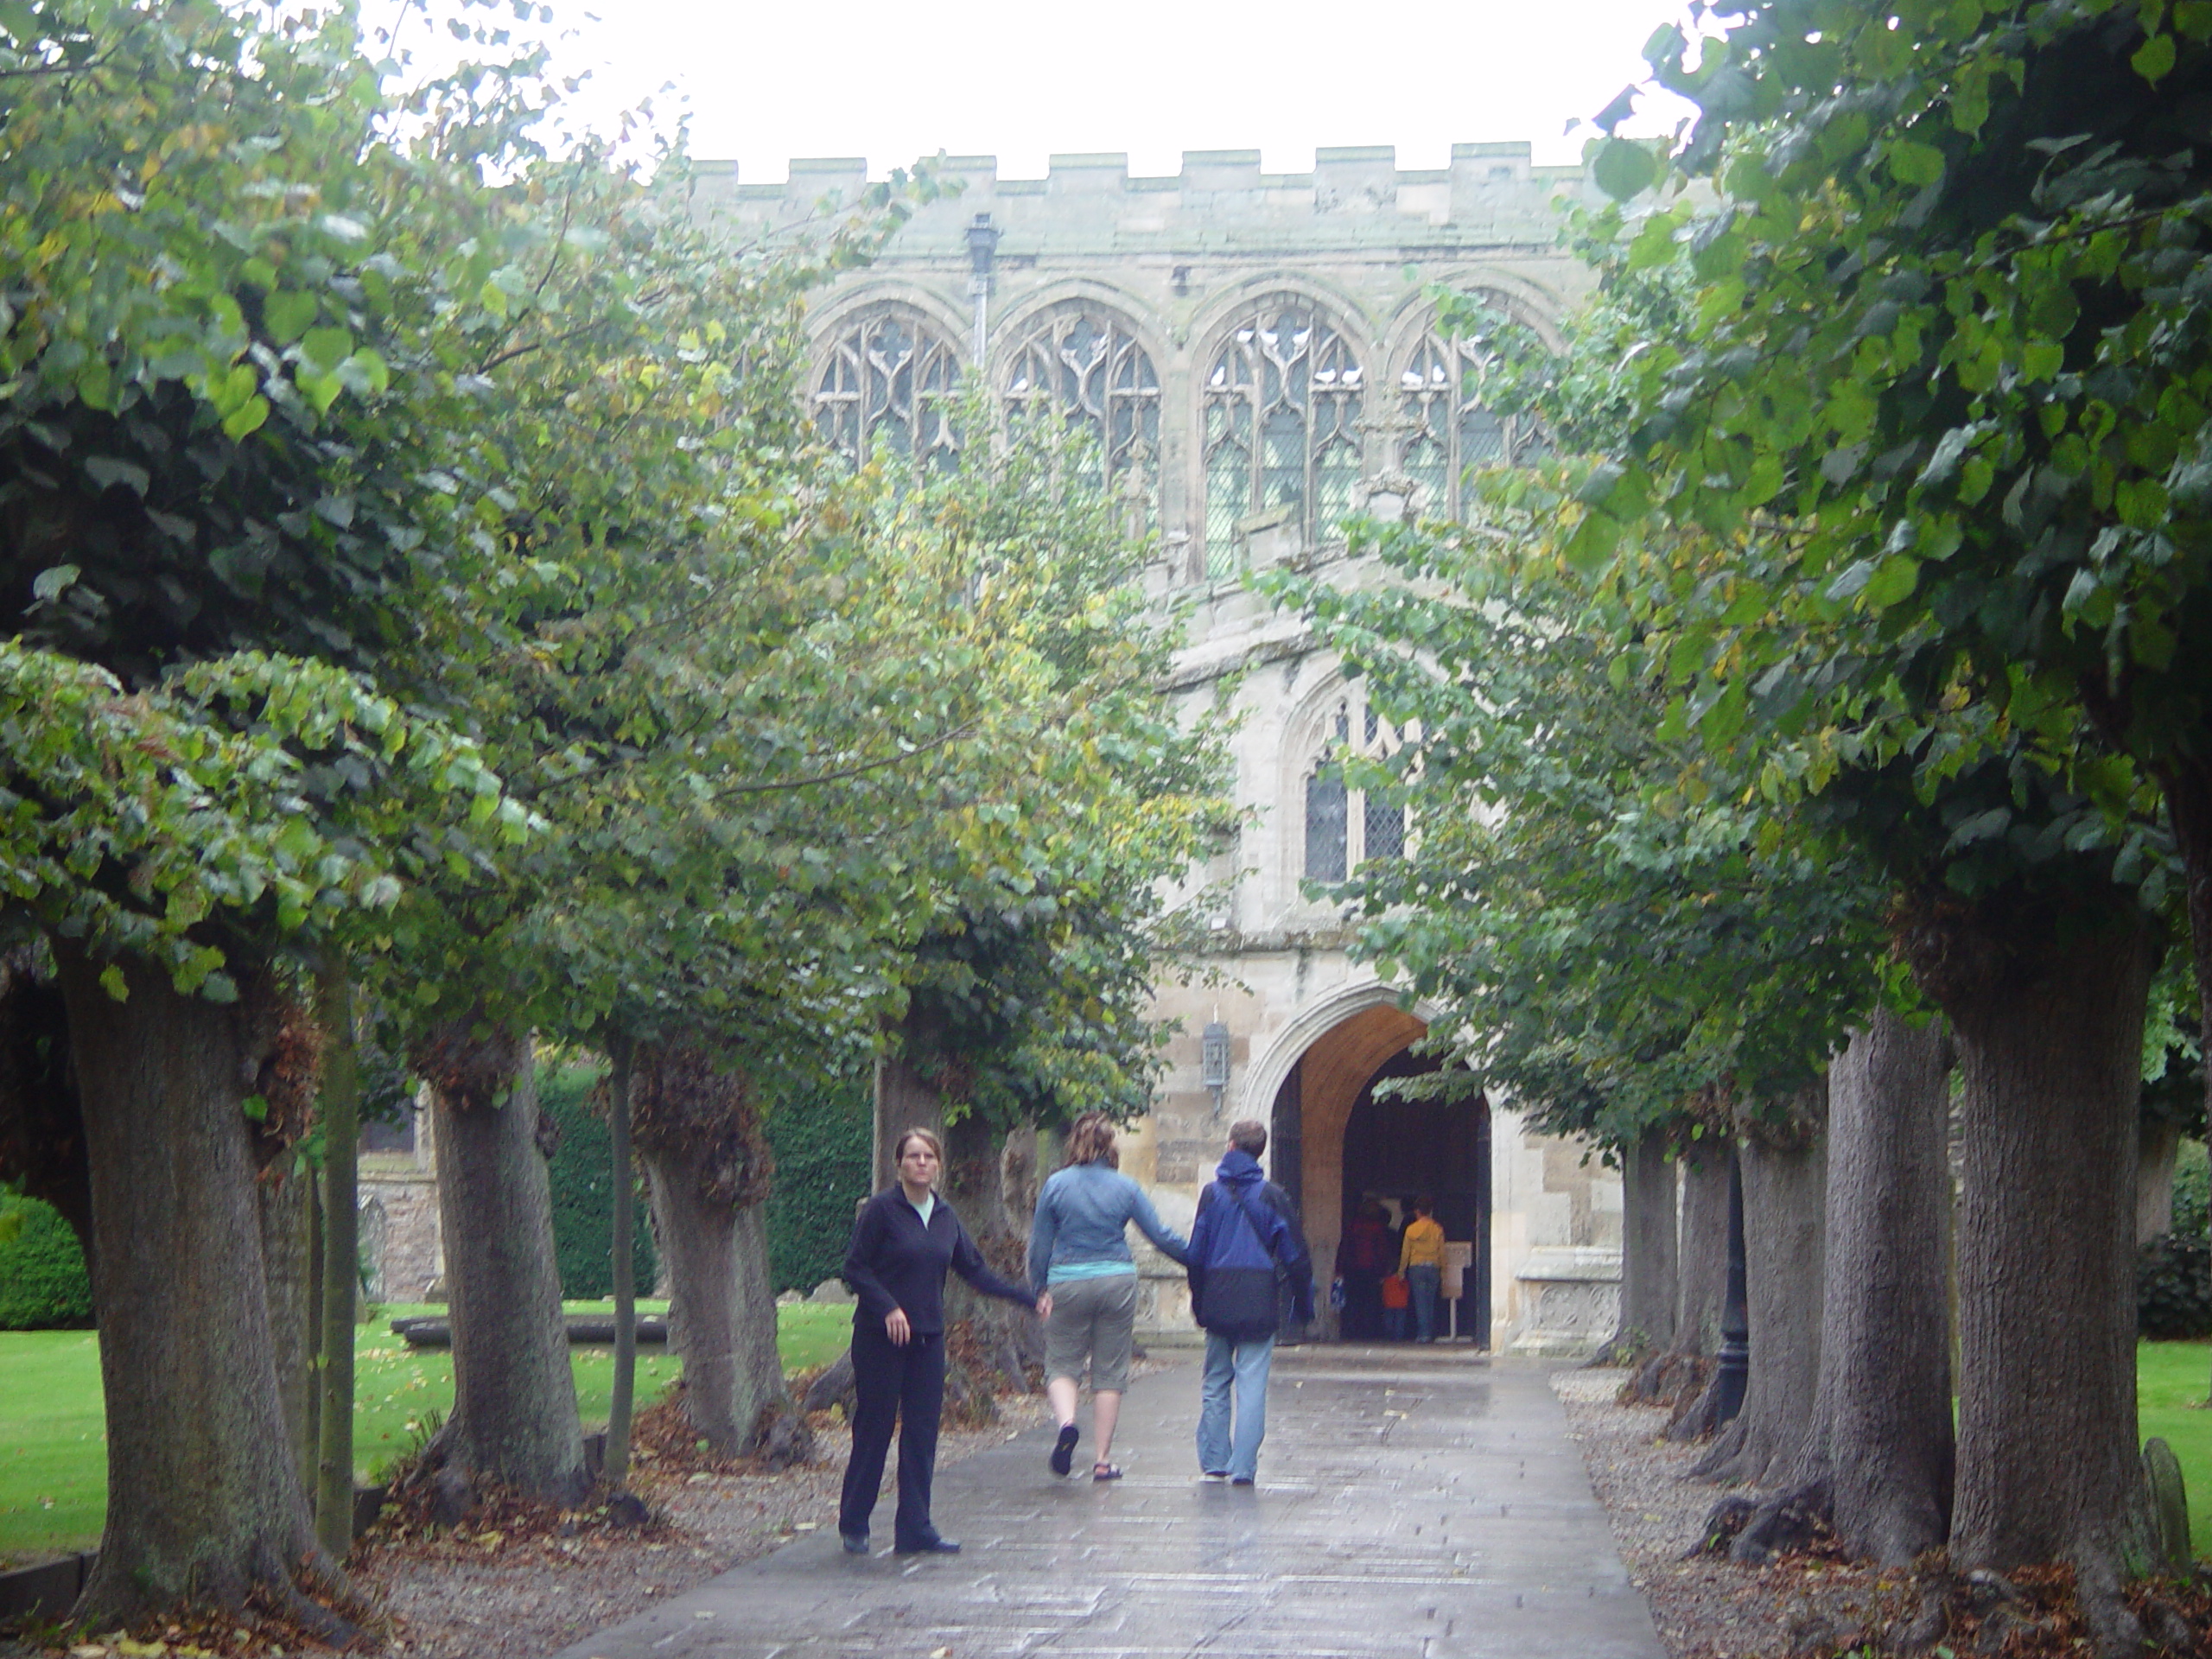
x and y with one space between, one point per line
43 1284
583 1187
820 1133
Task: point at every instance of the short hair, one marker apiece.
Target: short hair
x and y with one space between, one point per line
1249 1135
929 1137
1092 1142
1425 1205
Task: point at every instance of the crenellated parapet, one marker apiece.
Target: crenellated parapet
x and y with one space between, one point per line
1355 197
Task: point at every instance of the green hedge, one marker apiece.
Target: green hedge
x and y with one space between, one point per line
43 1284
2173 1273
821 1132
583 1189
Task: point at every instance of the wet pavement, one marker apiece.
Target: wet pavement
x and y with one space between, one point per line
1417 1503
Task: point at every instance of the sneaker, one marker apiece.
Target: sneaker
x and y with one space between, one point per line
1216 1475
856 1543
1242 1480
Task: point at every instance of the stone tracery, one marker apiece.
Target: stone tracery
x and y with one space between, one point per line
1281 415
1445 427
885 388
1089 365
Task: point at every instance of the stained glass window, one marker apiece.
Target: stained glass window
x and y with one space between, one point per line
1088 367
1446 427
1282 402
887 389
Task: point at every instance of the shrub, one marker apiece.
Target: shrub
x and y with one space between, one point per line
581 1172
821 1132
2173 1272
43 1283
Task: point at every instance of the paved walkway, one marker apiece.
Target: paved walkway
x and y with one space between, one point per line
1414 1504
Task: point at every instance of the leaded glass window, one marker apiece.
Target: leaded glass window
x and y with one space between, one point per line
1326 821
888 389
1090 367
1282 402
1346 827
1445 428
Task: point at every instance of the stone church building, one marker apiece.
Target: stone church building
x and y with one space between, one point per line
1256 353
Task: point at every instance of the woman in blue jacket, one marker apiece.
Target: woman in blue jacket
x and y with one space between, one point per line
1086 1281
904 1241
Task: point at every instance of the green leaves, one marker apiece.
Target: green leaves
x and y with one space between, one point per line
1622 168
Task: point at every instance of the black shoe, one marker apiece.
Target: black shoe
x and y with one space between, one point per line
1064 1449
856 1543
929 1546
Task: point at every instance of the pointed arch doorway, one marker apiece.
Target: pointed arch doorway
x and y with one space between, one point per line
1333 1143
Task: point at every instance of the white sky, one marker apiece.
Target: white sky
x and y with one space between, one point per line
765 80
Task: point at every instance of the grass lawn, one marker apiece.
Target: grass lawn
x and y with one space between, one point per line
2171 1380
54 1470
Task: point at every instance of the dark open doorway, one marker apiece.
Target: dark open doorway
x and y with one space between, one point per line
1396 1149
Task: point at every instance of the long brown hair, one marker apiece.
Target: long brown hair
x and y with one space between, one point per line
1091 1140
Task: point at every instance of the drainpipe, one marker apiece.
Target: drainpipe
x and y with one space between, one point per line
983 243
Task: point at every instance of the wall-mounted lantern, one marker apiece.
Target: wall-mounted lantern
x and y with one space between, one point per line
1213 1061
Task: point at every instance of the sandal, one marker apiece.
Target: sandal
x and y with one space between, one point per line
1104 1471
1064 1450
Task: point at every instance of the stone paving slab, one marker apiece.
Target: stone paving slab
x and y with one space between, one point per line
1412 1504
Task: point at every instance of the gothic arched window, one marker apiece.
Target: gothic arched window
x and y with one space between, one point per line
1281 425
1445 428
1090 367
888 387
1346 827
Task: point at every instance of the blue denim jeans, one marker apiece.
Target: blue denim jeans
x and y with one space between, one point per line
1222 1450
1424 1283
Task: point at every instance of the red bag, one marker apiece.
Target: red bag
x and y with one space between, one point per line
1396 1293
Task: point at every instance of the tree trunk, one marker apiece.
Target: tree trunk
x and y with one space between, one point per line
1885 1340
722 1307
1876 1461
284 1192
622 1260
903 1100
2157 1150
1785 1199
710 1171
1650 1252
1702 1266
2047 1002
1003 1340
205 1505
514 1416
342 1260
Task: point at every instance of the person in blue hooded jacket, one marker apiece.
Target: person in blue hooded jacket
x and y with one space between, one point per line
1246 1234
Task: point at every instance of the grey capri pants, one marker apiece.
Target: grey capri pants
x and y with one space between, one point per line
1097 1318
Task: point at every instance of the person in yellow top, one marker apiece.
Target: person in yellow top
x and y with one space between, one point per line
1420 1258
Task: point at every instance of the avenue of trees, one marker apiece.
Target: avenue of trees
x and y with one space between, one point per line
430 613
1813 756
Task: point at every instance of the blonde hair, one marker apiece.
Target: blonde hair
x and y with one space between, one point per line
899 1149
1091 1140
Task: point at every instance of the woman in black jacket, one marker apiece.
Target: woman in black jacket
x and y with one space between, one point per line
905 1238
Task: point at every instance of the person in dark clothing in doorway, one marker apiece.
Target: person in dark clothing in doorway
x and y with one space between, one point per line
1246 1234
905 1240
1368 1253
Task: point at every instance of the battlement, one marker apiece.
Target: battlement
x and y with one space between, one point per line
1353 195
